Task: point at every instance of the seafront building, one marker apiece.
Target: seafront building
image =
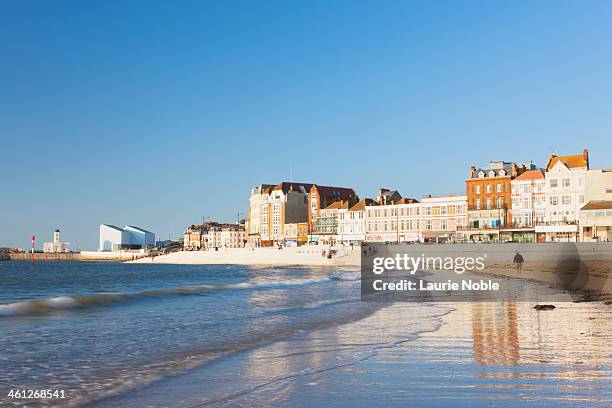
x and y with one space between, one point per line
327 222
113 238
567 201
351 222
565 191
489 194
272 208
257 216
433 219
214 235
320 197
528 199
56 246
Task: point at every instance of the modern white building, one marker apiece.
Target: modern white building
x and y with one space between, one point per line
141 237
528 199
113 238
56 246
565 192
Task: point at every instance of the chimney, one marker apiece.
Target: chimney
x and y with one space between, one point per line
585 154
381 198
472 170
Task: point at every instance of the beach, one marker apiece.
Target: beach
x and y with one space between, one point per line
453 355
124 335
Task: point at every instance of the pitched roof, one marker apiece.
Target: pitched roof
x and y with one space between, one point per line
531 175
342 193
337 205
361 204
286 186
575 161
598 205
408 201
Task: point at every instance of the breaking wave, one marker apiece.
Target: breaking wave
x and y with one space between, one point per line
62 303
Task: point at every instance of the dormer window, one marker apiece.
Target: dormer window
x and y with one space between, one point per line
502 173
491 173
481 174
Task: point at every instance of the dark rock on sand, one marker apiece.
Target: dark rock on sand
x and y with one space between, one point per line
544 307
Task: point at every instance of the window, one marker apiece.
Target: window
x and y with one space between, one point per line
567 199
443 224
488 203
554 200
478 204
499 188
500 202
553 183
478 189
488 188
566 182
428 224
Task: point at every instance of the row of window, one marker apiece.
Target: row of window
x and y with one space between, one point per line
499 203
498 188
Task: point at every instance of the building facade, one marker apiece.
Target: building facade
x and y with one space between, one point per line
528 199
351 222
56 246
565 191
433 219
489 194
258 214
596 221
113 238
321 197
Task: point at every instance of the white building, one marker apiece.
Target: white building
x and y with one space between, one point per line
433 219
351 222
141 237
56 246
528 199
596 221
565 192
596 215
599 185
257 220
113 238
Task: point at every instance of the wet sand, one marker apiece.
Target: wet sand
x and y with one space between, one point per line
414 354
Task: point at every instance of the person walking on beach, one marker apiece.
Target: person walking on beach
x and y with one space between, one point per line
518 261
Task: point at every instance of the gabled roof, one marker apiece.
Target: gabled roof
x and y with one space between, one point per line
342 193
286 186
531 175
361 204
337 205
571 162
408 201
598 205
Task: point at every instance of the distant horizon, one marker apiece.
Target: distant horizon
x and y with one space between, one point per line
156 115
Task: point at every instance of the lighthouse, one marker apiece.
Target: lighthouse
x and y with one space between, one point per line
56 237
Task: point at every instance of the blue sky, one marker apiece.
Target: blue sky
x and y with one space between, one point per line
158 113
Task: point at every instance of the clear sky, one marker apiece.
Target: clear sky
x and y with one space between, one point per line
159 113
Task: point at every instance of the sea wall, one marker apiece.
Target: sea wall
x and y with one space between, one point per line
41 256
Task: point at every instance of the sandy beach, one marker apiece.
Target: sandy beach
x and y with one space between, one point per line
301 256
462 354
